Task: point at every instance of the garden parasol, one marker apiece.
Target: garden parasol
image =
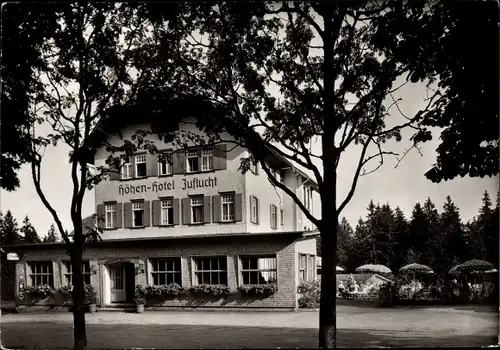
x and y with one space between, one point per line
475 265
416 268
339 269
373 268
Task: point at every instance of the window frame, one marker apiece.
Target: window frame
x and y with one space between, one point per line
165 209
254 200
195 271
207 153
137 163
311 265
113 215
192 154
273 219
126 166
133 213
33 274
229 205
302 269
197 205
66 267
241 270
174 272
168 164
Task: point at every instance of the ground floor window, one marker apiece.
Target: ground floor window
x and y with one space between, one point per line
41 273
258 269
166 271
307 267
68 272
211 270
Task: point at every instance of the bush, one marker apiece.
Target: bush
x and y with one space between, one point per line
140 295
40 291
310 293
213 289
167 290
90 295
258 289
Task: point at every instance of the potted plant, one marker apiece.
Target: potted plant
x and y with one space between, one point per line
90 298
216 290
140 298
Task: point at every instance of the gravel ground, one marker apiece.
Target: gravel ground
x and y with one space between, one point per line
357 327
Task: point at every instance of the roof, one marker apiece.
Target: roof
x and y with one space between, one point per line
293 234
117 117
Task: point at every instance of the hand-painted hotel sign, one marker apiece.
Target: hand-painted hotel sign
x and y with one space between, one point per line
159 186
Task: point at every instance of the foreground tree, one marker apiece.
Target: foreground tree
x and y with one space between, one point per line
432 39
29 232
82 68
279 76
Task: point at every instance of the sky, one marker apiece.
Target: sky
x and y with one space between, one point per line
402 186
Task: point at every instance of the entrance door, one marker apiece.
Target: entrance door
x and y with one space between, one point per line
117 279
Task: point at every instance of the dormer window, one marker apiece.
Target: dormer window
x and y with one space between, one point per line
200 160
140 166
193 161
126 169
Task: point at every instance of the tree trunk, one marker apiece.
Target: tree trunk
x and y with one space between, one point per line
328 190
327 311
79 333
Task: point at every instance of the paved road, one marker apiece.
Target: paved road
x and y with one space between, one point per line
357 327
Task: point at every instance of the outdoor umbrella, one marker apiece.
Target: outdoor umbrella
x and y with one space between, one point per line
339 269
475 266
372 268
416 268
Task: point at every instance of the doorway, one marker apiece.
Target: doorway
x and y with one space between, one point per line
121 282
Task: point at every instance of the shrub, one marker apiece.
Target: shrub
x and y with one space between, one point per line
90 296
166 290
40 291
140 295
258 289
310 293
213 289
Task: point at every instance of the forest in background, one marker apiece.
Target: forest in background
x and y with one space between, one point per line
433 237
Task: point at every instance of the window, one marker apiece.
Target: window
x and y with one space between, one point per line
211 270
282 217
68 272
140 165
254 167
227 202
254 205
193 161
138 214
304 200
126 170
258 269
302 267
110 210
165 166
167 212
311 264
41 274
207 159
197 210
166 271
274 222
